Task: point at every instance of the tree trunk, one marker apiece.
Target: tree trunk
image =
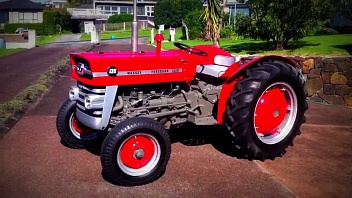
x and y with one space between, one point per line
285 42
186 29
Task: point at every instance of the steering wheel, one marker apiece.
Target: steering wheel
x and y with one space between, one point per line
189 49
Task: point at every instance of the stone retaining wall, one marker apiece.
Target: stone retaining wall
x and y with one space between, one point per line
329 79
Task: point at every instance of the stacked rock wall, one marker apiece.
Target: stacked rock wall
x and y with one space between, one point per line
329 79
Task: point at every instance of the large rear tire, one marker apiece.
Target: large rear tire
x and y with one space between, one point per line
72 132
266 109
135 152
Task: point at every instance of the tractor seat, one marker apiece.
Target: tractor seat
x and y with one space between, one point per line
226 61
221 64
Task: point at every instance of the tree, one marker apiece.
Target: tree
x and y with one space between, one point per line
212 18
282 20
172 12
343 7
73 3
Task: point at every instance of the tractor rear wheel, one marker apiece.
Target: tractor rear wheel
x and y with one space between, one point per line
266 109
72 132
135 152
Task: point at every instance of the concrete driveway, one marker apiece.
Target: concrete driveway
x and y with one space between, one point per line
34 163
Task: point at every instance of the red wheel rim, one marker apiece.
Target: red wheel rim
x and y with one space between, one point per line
270 111
275 113
137 151
138 154
79 130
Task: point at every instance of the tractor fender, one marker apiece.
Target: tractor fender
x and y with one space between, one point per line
230 82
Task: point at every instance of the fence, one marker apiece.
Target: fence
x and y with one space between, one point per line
125 26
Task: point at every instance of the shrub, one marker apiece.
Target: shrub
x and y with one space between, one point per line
56 21
38 27
194 24
119 18
227 32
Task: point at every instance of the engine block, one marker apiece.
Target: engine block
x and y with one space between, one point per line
170 104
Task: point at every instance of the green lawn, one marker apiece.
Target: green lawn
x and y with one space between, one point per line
117 34
340 44
41 40
5 52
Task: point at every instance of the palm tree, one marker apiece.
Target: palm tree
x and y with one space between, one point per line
212 17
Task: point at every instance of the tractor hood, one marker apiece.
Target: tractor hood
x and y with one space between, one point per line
126 68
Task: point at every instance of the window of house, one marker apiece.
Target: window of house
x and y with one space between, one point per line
3 17
123 10
35 17
149 10
140 11
234 10
20 17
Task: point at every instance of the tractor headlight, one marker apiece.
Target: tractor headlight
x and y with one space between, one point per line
73 93
93 102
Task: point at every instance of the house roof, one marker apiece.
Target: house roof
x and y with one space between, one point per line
20 5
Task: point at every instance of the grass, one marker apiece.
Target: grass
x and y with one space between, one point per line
5 52
117 34
340 44
41 40
23 100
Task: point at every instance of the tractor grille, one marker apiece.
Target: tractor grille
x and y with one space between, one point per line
85 90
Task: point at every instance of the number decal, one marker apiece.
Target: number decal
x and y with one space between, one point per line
112 71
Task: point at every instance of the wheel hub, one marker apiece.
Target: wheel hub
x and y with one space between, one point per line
270 111
276 113
138 154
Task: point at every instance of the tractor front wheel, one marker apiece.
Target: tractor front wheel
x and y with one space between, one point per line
135 152
72 132
266 109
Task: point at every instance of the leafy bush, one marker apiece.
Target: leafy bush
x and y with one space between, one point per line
194 24
280 21
119 18
171 12
227 32
38 27
56 21
325 31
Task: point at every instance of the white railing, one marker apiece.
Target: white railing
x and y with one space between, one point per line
146 1
84 12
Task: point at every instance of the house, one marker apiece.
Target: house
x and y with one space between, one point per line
20 11
56 3
233 7
145 8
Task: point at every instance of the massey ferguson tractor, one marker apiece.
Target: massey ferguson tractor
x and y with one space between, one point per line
131 99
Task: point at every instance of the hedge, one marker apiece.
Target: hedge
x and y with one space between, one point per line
38 27
120 18
54 22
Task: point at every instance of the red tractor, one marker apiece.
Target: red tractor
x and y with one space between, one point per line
130 99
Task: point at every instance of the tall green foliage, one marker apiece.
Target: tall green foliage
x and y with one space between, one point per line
343 7
172 12
194 24
119 18
73 3
282 20
56 21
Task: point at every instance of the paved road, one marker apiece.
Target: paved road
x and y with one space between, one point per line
20 70
33 163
